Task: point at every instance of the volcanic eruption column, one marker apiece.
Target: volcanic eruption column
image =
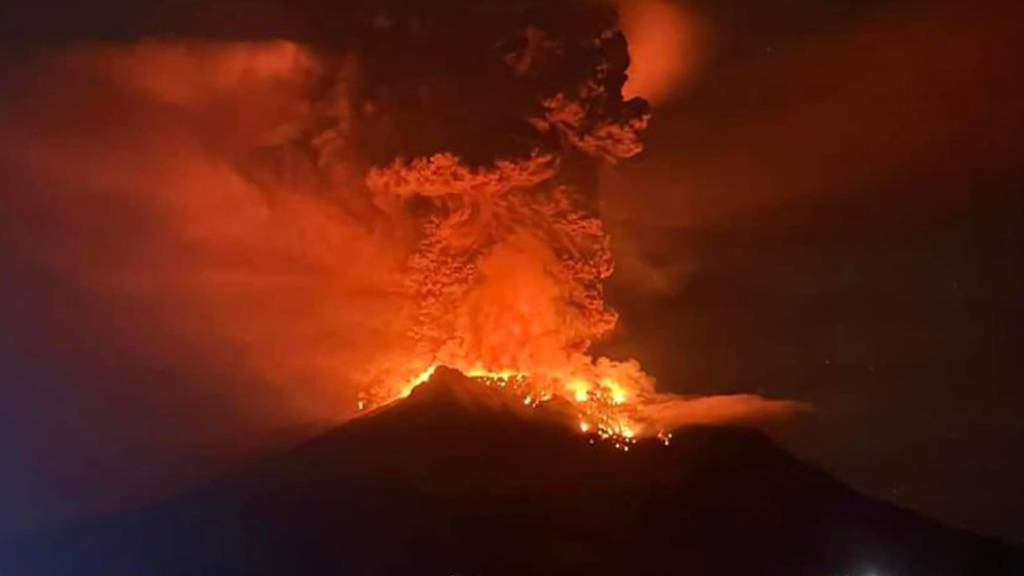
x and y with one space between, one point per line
410 186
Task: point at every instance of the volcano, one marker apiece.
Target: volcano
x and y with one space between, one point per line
460 479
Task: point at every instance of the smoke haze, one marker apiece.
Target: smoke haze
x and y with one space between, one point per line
216 239
241 237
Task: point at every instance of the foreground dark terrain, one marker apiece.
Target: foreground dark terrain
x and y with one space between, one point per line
455 480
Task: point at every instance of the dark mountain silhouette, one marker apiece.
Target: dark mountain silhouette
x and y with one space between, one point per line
457 480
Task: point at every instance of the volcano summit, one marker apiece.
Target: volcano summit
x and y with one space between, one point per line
461 478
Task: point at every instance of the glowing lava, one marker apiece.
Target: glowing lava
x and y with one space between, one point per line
507 252
601 407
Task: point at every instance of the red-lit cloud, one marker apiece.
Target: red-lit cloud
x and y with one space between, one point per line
168 180
919 89
666 44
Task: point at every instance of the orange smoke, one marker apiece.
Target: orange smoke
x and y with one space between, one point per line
665 43
172 185
256 234
938 91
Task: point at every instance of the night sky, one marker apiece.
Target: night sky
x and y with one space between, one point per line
846 228
829 210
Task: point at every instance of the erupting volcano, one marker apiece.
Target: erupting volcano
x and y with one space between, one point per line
407 187
461 478
509 256
387 227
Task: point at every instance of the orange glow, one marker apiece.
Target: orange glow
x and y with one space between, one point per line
609 410
417 380
580 390
618 394
665 42
256 255
604 412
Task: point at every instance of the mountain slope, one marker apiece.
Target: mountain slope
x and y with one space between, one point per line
459 480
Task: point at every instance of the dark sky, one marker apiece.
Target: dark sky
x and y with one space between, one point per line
839 219
830 210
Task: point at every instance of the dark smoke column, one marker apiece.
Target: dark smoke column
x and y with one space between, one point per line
483 125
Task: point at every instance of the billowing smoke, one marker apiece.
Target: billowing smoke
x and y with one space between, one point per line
303 220
510 254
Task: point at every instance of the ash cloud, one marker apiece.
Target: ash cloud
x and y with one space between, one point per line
298 211
222 258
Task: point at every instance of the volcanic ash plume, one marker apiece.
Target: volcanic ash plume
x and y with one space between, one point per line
510 254
411 187
506 275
